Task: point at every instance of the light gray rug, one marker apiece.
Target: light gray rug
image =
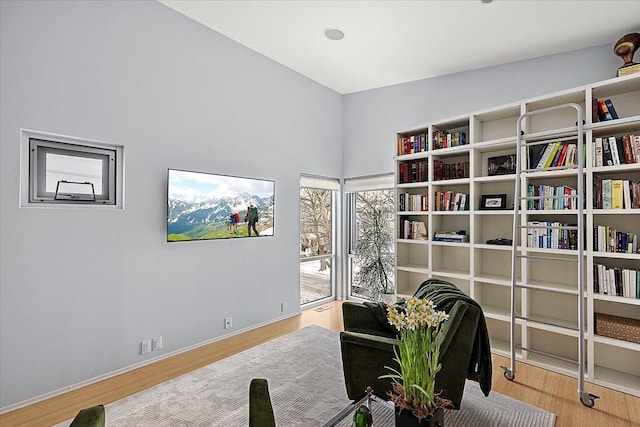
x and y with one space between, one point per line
304 371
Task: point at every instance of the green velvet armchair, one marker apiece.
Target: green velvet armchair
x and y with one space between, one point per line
367 347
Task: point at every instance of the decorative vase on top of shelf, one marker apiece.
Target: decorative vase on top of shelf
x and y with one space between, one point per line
419 326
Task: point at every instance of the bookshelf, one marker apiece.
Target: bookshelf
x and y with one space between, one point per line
482 270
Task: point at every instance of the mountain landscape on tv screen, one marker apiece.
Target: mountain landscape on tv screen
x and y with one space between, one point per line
200 206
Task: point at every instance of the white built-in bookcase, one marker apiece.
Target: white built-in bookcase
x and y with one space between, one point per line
483 271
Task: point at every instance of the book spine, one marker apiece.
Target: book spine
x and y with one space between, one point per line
614 150
612 111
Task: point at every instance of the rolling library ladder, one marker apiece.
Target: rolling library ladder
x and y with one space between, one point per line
530 238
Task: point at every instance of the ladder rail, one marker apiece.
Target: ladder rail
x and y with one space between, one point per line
523 142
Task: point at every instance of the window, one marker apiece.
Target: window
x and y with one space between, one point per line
66 170
370 225
317 238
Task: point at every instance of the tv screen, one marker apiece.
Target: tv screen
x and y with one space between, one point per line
205 206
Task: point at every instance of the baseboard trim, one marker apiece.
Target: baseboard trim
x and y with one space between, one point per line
130 368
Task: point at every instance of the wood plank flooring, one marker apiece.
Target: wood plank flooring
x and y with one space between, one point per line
545 389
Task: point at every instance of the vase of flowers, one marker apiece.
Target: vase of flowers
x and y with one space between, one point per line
419 326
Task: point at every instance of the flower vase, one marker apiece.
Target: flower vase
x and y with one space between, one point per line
406 418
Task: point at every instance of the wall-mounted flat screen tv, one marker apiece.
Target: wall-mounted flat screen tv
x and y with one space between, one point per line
205 206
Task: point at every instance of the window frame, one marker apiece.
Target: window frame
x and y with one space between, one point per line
332 185
352 186
35 148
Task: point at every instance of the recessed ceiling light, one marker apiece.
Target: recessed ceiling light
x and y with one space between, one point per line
486 1
333 34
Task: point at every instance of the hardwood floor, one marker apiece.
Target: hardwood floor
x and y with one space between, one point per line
545 389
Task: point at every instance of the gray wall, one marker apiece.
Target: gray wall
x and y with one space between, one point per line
79 288
178 95
372 118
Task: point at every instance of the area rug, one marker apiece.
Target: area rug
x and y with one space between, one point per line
304 371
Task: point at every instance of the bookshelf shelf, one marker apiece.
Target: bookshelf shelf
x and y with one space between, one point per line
482 270
617 300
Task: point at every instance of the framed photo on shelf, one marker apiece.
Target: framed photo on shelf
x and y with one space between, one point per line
493 201
501 165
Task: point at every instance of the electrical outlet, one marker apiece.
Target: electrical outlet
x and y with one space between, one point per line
156 343
283 306
227 322
145 346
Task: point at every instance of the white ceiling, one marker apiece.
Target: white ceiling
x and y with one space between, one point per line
396 41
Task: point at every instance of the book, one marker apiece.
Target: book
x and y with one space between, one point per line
612 111
628 149
636 146
607 158
598 152
620 149
597 196
603 111
552 155
613 146
594 111
562 153
536 152
606 194
626 194
616 194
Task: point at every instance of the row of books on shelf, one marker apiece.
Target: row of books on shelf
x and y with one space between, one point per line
621 282
616 150
413 202
411 144
442 170
446 139
413 230
603 110
608 239
542 197
417 171
551 235
555 155
451 201
615 193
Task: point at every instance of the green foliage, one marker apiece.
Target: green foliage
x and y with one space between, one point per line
418 354
208 232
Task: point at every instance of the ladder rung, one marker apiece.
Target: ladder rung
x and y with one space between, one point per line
547 141
544 353
546 323
546 257
548 289
575 196
554 168
554 227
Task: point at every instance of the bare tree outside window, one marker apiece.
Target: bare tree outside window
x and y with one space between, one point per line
373 256
315 222
316 249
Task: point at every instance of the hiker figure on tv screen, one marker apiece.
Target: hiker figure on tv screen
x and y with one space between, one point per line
252 218
233 219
